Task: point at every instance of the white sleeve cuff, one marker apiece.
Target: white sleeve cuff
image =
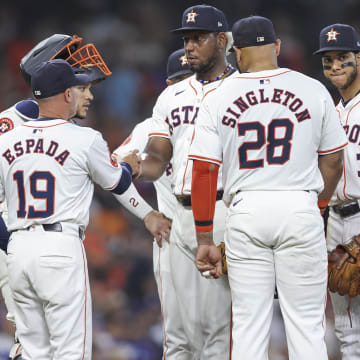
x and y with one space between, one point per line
134 202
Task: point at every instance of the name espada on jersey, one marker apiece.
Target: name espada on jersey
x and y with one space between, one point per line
36 146
273 123
174 116
47 171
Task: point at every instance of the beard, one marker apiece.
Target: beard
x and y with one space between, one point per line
202 69
353 75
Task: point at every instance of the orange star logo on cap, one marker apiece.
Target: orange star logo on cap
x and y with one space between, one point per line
332 35
191 16
183 60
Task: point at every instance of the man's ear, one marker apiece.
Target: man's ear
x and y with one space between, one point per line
221 40
277 46
68 95
357 59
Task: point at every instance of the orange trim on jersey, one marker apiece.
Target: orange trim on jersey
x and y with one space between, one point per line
203 158
262 77
193 87
43 127
158 134
347 117
183 185
332 150
208 92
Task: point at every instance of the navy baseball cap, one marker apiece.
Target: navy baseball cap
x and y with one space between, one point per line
338 37
253 31
177 64
54 77
203 17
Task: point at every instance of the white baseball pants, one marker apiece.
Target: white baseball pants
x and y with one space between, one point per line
205 305
49 279
176 345
340 231
277 237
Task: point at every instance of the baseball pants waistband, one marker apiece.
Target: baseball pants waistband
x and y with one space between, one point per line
347 210
56 227
185 200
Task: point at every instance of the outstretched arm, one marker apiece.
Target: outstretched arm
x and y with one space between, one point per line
155 158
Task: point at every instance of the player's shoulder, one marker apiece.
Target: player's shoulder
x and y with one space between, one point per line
306 78
22 111
183 88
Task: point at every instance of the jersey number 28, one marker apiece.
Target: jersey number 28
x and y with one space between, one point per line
266 136
47 195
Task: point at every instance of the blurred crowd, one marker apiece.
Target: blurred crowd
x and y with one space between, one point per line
134 40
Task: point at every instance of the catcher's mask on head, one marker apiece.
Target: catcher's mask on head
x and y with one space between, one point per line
68 48
88 57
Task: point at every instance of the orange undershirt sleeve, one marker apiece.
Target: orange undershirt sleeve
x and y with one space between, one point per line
203 194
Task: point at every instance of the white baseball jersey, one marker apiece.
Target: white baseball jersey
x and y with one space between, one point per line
348 187
12 117
47 169
138 140
274 149
174 117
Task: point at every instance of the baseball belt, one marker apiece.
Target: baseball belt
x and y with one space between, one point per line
185 200
56 227
347 209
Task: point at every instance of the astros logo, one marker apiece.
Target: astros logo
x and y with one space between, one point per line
191 16
113 160
332 35
183 60
6 125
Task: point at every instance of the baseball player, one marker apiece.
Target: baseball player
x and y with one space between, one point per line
175 343
84 58
204 304
339 50
48 167
280 148
87 59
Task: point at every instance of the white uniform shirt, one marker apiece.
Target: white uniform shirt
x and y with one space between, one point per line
349 185
268 128
174 117
47 169
138 140
9 119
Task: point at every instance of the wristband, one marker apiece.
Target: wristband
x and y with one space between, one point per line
133 202
323 204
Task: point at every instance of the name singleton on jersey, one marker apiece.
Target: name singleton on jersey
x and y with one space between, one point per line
252 98
36 146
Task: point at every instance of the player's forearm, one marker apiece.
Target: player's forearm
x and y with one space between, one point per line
155 158
134 202
203 196
205 238
151 167
331 168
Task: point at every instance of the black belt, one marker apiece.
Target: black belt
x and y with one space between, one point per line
56 227
347 209
185 200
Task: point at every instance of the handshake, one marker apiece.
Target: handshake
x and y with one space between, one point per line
132 159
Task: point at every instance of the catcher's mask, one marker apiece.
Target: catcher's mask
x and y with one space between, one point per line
59 46
87 57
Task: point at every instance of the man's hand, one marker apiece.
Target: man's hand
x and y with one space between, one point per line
158 225
132 159
208 260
